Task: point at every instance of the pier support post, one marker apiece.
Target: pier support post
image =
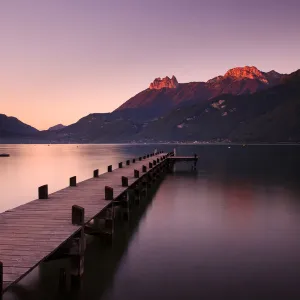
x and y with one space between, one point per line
125 209
43 192
133 160
144 189
77 259
130 198
137 196
149 180
73 181
127 162
144 169
77 215
78 247
109 193
109 221
124 181
109 168
150 165
154 162
140 158
120 165
62 278
96 173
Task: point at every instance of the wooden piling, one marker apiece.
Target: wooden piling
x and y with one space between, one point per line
124 181
150 165
130 197
43 192
77 215
120 165
77 259
109 168
127 162
144 169
109 193
62 278
154 162
133 160
96 173
125 210
140 158
137 195
73 181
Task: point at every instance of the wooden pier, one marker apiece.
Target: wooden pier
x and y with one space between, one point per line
56 224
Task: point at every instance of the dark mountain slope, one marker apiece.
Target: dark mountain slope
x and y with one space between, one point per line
96 128
152 103
11 127
269 115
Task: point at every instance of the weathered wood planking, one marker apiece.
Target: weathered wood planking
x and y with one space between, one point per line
33 231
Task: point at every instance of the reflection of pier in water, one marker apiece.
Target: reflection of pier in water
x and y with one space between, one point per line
52 227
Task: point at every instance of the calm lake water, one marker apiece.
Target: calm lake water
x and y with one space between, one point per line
231 230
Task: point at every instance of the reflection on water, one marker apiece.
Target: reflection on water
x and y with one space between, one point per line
229 231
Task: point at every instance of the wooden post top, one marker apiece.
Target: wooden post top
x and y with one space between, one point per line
73 181
136 173
124 181
77 215
109 193
96 173
43 192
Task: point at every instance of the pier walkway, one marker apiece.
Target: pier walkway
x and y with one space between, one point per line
30 233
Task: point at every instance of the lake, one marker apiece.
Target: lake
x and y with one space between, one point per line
231 230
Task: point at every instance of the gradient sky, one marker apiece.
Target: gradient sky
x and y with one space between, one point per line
64 59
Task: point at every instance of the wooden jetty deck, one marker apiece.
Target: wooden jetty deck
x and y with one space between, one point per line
53 224
31 233
184 158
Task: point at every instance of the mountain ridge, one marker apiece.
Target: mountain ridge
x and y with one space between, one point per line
232 107
154 103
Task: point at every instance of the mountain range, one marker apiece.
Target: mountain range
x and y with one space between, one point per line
243 105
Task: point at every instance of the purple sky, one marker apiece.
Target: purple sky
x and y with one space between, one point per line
64 59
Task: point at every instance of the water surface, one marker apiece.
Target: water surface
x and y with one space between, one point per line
231 230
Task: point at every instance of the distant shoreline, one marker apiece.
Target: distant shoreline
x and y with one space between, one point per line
167 143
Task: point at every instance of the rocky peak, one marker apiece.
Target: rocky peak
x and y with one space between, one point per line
246 72
166 82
